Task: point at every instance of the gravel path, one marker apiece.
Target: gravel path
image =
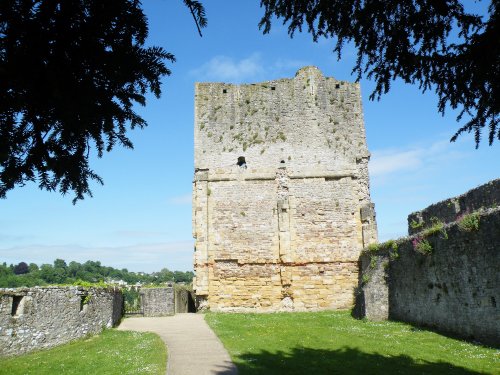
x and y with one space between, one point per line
193 348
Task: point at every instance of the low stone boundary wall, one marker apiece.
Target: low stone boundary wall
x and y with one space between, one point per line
446 278
43 317
158 301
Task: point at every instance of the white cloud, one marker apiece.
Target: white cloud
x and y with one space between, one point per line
287 64
410 178
249 69
145 257
181 199
225 68
387 163
10 237
138 234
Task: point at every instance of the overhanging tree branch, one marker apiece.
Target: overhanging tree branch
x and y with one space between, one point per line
198 12
435 44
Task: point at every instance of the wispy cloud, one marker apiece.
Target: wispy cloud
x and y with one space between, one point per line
138 257
251 68
414 158
384 163
10 237
287 64
138 234
181 199
225 68
410 178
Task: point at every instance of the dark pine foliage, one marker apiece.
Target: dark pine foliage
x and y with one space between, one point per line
70 73
434 43
21 268
198 11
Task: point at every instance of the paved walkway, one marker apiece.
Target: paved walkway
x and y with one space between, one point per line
193 348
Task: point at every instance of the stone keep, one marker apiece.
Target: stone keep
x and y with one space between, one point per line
281 200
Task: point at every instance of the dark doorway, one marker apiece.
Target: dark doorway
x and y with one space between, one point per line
184 301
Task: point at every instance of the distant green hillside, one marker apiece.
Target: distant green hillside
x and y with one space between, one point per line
22 274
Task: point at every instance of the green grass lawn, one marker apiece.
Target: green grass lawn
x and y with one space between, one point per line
111 352
335 343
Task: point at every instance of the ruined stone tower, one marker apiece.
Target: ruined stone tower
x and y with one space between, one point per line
281 201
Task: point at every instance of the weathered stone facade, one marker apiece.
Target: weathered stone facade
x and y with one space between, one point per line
38 318
158 301
281 202
454 286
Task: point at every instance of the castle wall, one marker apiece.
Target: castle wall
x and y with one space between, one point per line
281 205
158 301
39 318
449 210
452 287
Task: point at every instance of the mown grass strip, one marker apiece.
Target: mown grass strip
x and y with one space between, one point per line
335 343
111 352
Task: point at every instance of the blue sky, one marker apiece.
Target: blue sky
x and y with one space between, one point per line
141 218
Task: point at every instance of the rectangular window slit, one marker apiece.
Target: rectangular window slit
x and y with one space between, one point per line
16 305
224 91
273 88
83 301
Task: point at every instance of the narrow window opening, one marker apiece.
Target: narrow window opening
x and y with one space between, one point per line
16 305
282 162
284 210
224 91
83 302
241 162
337 86
273 88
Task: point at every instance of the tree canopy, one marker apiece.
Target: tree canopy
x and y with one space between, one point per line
71 71
73 273
70 74
20 268
436 44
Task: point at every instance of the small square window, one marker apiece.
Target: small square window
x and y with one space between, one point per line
241 162
224 91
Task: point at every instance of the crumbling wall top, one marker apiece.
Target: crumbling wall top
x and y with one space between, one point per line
452 209
309 122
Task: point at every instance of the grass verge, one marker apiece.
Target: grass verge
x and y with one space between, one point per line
111 352
334 343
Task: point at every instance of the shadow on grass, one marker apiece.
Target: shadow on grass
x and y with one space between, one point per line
343 361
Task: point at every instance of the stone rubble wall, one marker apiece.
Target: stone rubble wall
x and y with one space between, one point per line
43 317
158 301
281 203
449 210
453 289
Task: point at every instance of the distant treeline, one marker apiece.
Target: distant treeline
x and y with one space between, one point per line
23 274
